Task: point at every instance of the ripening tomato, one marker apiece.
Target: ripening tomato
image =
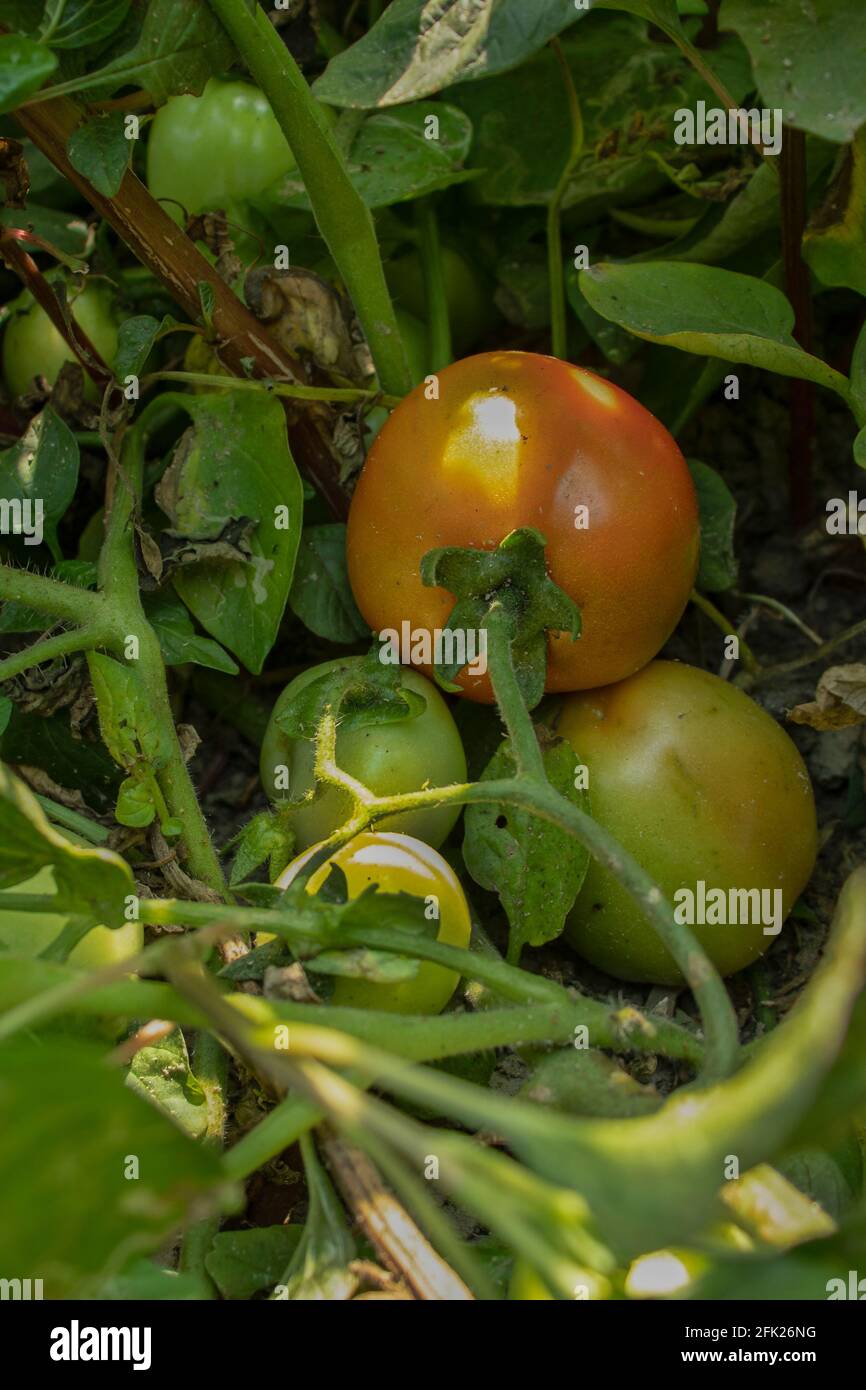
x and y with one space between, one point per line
516 439
216 150
397 864
33 347
28 933
403 756
701 785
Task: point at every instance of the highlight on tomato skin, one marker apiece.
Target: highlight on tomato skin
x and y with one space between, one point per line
701 786
517 439
396 863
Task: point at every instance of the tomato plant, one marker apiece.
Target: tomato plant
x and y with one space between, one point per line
701 784
33 347
395 757
525 440
222 661
397 863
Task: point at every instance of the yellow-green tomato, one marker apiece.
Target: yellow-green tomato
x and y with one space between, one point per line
470 306
388 758
33 347
28 933
711 797
397 864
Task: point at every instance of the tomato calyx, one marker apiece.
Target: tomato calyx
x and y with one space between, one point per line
357 695
512 582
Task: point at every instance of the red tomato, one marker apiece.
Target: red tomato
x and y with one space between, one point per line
516 439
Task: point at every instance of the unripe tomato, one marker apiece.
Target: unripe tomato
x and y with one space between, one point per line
699 784
516 439
33 347
469 299
28 933
397 864
216 150
388 758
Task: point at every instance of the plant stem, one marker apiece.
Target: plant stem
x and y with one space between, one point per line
211 1072
343 218
715 615
287 390
73 820
78 639
438 324
118 579
50 596
827 648
512 709
556 277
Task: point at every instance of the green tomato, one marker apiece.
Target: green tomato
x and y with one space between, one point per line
216 150
388 758
702 786
33 347
414 335
469 300
28 933
396 864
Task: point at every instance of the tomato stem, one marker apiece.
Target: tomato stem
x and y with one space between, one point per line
556 275
439 347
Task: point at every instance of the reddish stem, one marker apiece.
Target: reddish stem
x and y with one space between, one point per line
28 272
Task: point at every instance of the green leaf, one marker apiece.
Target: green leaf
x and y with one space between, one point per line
818 1176
364 963
129 728
235 462
242 1263
661 12
135 339
90 1173
84 22
178 640
90 882
24 66
629 87
536 868
177 49
6 708
392 159
266 836
99 149
48 743
418 47
712 312
321 595
144 1281
135 803
162 1074
834 243
808 60
41 468
717 508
